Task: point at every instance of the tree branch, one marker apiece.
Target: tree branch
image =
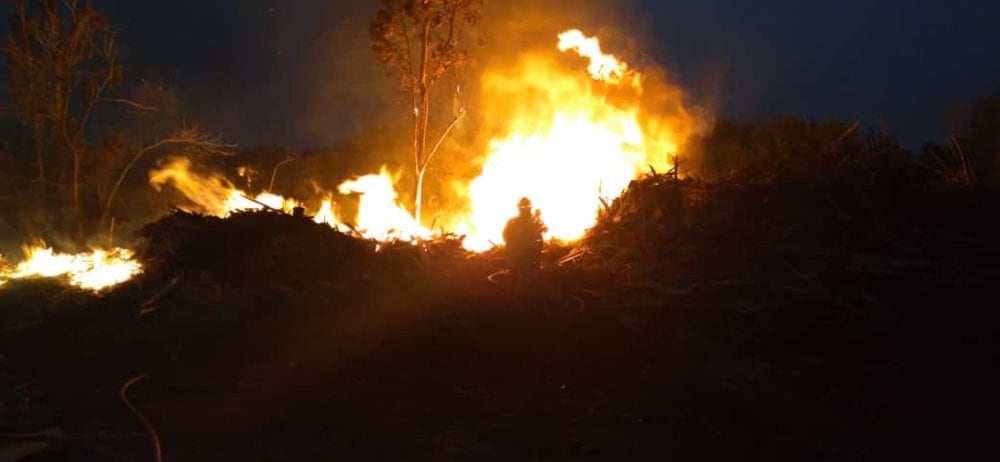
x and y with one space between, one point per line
461 114
274 173
187 136
136 105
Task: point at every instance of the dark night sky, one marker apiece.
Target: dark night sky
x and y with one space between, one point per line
253 68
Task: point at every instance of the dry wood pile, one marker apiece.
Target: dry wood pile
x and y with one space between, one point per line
666 237
249 248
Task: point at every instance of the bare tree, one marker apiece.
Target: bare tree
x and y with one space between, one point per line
420 40
62 58
62 63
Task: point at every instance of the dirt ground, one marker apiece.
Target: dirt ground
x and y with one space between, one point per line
816 351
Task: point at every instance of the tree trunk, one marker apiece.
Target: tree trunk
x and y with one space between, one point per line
420 192
422 120
76 180
106 210
76 215
37 126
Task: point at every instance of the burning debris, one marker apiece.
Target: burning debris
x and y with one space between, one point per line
577 140
96 270
380 216
213 194
574 142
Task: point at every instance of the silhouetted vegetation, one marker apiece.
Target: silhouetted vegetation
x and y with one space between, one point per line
81 127
795 149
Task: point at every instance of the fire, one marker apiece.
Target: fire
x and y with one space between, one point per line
569 141
4 270
566 139
380 216
275 202
212 194
94 270
326 215
603 67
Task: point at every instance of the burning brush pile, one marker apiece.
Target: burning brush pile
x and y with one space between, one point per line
95 270
570 127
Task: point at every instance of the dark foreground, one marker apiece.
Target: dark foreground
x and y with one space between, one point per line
762 324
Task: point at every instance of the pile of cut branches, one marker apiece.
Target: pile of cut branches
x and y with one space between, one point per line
250 248
668 236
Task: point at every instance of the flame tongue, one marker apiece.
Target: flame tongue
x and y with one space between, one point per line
602 67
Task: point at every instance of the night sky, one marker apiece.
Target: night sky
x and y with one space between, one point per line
258 71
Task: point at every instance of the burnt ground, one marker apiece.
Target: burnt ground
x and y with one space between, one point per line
763 325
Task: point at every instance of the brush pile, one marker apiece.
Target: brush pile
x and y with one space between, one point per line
250 248
666 236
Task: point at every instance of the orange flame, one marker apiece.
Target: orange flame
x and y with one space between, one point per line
567 141
94 270
568 144
212 194
380 216
326 215
603 67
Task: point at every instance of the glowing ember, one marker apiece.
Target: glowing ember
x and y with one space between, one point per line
95 270
380 216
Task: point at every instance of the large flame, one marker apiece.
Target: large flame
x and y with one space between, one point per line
566 139
569 142
94 270
325 215
212 194
380 216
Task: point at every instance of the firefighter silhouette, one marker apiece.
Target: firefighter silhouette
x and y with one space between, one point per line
523 235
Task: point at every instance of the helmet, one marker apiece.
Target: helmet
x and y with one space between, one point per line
524 203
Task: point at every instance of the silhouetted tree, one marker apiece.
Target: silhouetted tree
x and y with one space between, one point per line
421 40
62 63
980 138
62 58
